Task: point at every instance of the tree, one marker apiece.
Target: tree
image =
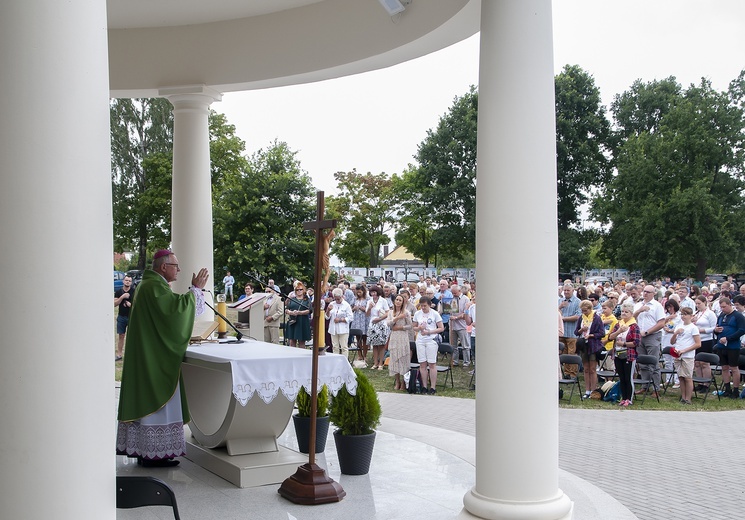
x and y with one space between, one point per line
440 193
676 204
259 214
365 208
583 145
642 107
141 164
413 227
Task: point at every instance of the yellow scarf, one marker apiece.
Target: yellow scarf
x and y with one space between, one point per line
587 320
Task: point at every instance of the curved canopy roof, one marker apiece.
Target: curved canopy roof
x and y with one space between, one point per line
232 45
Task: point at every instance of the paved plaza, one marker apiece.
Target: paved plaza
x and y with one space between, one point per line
614 464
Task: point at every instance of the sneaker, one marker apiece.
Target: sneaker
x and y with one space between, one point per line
455 364
676 385
466 364
471 372
432 391
423 390
727 392
687 402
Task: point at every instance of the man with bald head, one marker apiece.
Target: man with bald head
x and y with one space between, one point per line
650 317
152 402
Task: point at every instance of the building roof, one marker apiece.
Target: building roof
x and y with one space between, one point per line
401 254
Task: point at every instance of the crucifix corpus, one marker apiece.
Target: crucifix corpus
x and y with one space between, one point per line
310 485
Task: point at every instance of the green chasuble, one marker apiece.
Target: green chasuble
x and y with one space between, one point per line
160 326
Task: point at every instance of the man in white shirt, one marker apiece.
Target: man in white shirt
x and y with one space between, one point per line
650 317
228 281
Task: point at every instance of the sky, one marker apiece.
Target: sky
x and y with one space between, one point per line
375 121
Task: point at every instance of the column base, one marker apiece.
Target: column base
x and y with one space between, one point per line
478 506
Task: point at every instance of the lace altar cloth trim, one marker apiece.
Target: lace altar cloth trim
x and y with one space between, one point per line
267 369
151 442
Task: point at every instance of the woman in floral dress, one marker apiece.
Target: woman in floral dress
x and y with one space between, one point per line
399 322
359 319
377 332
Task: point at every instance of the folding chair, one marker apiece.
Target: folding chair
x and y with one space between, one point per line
569 359
137 491
651 362
606 374
667 373
444 349
713 360
354 347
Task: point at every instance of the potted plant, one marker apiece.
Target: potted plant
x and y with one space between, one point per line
302 419
355 417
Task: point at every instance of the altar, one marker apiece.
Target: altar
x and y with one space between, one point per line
241 398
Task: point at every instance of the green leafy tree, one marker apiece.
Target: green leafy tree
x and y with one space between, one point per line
259 215
365 209
642 107
141 164
441 191
583 146
413 227
676 204
226 148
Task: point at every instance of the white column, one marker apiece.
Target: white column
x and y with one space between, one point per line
57 417
191 215
516 235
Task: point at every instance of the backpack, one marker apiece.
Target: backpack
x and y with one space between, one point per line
415 381
614 394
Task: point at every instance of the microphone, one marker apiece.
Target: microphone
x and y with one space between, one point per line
238 333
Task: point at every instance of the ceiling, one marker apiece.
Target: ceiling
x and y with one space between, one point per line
231 45
134 14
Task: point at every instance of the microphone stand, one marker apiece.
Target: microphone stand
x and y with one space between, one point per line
238 333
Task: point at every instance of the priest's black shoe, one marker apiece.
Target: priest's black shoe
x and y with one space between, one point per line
160 463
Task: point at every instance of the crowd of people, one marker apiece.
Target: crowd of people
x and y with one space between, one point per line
387 319
672 322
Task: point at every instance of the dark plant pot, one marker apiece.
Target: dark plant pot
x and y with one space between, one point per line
354 452
302 432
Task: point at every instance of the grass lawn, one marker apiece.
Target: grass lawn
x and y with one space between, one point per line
461 381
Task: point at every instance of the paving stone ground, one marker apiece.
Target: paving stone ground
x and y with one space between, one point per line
661 465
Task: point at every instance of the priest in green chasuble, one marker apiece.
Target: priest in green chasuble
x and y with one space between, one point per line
152 403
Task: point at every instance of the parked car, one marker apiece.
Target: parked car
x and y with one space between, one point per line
118 280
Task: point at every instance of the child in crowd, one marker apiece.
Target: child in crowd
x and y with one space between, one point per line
686 339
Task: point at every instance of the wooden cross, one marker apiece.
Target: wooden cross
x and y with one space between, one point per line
310 485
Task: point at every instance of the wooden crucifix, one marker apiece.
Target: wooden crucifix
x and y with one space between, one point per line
310 485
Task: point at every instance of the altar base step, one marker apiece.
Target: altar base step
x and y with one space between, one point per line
244 471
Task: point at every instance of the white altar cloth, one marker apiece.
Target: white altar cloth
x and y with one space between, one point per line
267 369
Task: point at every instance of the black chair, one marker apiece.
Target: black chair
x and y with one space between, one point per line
667 373
651 362
569 359
135 491
606 374
713 360
354 347
445 349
